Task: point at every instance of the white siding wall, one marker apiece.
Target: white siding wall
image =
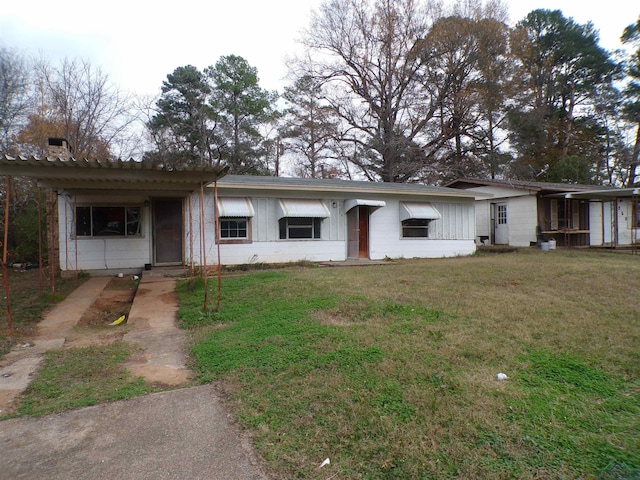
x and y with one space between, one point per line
522 219
625 219
451 236
483 218
102 253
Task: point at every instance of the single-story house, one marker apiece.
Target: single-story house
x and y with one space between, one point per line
125 215
523 213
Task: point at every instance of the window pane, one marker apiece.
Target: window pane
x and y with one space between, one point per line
133 221
316 227
108 221
502 214
300 232
83 221
299 228
415 227
233 228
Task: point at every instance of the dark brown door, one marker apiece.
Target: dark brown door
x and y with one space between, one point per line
167 231
363 232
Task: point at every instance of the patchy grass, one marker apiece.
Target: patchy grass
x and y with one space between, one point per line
78 377
28 302
390 371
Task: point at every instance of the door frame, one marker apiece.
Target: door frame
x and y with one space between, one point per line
358 232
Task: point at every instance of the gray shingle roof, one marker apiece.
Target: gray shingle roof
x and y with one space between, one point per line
313 184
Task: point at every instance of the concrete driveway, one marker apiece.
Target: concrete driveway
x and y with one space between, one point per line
180 434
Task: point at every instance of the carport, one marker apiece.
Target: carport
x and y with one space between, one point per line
103 179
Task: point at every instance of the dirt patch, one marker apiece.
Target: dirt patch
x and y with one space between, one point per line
114 301
93 327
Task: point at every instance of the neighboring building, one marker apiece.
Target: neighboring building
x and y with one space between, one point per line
521 213
121 216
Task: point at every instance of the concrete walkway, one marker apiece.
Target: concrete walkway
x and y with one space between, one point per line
19 365
152 323
181 434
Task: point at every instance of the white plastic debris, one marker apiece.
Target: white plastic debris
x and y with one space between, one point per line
501 376
136 277
325 462
120 275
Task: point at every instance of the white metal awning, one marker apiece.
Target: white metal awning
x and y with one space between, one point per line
356 202
423 211
303 208
235 207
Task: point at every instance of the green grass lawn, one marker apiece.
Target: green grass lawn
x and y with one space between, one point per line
390 371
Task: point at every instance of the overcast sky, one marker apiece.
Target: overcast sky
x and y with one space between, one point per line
138 42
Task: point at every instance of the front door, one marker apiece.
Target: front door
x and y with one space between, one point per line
167 231
501 230
363 232
358 232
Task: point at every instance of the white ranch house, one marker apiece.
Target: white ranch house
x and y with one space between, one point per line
126 216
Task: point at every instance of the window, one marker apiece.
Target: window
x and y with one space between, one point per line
415 228
293 228
636 214
502 214
234 229
108 221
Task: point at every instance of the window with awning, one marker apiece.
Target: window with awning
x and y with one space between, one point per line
416 217
301 218
235 219
307 208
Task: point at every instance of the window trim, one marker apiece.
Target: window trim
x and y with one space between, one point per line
235 240
125 207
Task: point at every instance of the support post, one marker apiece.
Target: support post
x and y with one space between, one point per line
5 271
203 251
217 220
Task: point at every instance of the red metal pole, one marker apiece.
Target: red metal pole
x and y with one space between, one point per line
203 252
5 271
40 270
217 220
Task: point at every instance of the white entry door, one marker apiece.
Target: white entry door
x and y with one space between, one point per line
501 230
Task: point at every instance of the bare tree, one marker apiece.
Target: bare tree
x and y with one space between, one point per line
15 100
403 77
78 102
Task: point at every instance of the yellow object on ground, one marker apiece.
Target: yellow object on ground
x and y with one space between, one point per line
118 321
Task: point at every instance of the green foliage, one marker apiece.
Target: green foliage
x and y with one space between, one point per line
241 106
565 70
390 371
24 242
213 116
577 410
77 377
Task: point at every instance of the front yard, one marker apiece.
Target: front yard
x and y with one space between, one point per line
390 371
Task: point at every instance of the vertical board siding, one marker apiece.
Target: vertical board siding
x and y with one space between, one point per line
522 220
102 253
